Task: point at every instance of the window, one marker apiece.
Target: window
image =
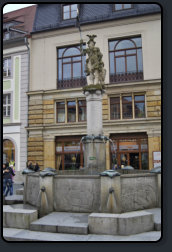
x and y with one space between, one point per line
71 67
6 105
7 67
118 7
8 151
69 153
115 108
60 107
82 110
130 149
125 56
75 111
69 11
127 107
122 107
71 111
139 105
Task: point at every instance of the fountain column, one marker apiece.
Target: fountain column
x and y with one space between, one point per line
94 143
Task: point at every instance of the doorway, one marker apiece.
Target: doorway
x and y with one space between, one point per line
134 160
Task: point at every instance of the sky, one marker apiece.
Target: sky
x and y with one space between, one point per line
12 7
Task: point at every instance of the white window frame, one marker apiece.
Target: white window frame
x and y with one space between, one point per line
8 68
7 105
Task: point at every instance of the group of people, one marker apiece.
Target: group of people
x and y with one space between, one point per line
8 174
34 167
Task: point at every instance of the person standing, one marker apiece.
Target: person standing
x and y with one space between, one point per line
7 179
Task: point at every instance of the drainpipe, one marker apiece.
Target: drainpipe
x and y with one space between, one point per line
27 43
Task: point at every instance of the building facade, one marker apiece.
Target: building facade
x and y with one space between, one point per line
129 37
16 27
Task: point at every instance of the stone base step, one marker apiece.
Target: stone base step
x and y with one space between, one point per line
20 191
62 222
157 218
14 217
13 234
121 224
14 199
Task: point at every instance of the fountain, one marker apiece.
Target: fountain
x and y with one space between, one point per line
92 188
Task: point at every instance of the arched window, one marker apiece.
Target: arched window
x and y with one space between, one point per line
71 66
126 58
8 151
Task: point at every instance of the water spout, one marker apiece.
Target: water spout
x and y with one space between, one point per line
111 202
42 200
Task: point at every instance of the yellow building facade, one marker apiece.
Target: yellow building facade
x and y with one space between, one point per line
135 139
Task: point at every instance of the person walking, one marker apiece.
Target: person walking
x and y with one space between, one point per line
7 179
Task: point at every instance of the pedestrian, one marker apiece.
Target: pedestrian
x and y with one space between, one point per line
36 167
7 179
30 165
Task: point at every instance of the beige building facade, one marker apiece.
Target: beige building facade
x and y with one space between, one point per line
136 138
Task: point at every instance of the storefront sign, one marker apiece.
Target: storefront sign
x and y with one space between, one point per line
156 159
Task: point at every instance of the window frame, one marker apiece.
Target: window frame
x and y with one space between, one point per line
142 101
72 81
9 67
65 101
127 103
121 96
63 140
57 111
123 76
7 105
70 12
68 111
85 109
138 137
113 103
123 7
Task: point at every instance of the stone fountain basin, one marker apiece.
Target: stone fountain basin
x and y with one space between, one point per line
23 206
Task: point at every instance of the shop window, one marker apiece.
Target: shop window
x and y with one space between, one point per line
71 67
139 106
69 153
118 7
82 110
71 111
70 11
125 57
8 151
6 67
60 110
130 149
6 105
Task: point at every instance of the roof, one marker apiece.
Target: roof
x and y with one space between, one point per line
49 16
23 18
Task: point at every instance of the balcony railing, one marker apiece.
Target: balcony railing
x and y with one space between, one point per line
72 83
126 77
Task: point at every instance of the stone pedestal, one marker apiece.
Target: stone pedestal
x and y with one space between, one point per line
94 112
95 143
94 156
